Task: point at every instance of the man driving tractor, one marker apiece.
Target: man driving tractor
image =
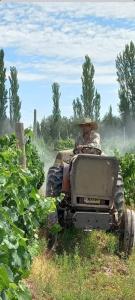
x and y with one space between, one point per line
89 140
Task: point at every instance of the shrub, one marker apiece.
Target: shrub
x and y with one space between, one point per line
127 163
22 211
64 144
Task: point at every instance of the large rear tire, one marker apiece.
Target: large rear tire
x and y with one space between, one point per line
127 232
53 189
54 181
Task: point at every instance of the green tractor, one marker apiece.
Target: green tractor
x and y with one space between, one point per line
93 195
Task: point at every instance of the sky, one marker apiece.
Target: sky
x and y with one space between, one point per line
47 42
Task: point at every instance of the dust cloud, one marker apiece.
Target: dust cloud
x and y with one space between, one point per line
47 156
119 139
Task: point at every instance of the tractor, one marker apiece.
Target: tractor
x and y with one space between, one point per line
92 194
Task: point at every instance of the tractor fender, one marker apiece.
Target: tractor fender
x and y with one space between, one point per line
66 178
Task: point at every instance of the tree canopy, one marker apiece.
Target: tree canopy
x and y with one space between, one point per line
125 64
3 91
90 97
15 103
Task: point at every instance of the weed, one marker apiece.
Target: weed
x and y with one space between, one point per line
84 268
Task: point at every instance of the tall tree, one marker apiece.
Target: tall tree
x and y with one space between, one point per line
56 110
3 91
108 118
64 128
15 103
88 88
110 125
111 120
125 64
47 129
77 109
97 106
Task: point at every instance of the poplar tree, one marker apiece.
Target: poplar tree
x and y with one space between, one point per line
15 103
125 64
88 88
89 96
77 109
97 106
108 118
3 91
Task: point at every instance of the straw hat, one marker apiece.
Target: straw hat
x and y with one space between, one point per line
88 122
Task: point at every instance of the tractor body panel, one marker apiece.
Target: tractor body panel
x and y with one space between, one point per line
93 180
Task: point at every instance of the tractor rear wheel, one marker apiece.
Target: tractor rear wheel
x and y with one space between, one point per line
54 181
127 232
53 189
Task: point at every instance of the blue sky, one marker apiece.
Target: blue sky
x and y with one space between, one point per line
47 42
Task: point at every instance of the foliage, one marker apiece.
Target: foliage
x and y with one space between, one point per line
15 103
77 108
125 64
68 129
110 119
47 129
90 98
127 163
88 87
110 127
97 106
34 165
87 244
3 91
64 144
22 211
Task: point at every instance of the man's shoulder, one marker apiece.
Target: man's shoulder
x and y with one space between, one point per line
95 133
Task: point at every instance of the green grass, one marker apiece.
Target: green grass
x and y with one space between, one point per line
85 267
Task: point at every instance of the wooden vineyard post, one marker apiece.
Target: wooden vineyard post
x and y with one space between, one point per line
19 129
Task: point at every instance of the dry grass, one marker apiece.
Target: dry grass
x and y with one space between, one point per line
43 274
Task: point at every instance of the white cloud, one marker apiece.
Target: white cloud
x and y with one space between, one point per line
30 77
55 37
108 9
62 72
